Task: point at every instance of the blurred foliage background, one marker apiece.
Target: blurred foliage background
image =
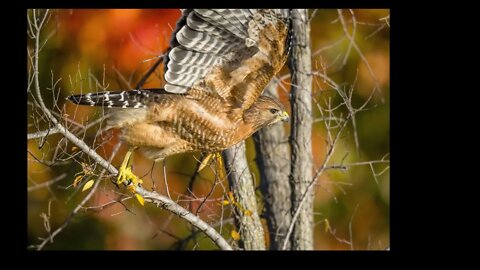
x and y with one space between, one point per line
87 49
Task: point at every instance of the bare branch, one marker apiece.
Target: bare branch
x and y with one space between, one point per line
165 203
311 184
149 72
47 183
362 56
79 206
301 134
243 186
350 231
43 133
345 29
273 161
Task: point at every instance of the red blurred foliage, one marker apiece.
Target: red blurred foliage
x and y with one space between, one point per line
118 36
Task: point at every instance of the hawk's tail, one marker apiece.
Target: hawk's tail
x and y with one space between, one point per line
123 99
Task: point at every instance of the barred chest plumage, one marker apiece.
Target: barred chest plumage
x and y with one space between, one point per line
208 131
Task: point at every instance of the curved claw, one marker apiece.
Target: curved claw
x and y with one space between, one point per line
127 176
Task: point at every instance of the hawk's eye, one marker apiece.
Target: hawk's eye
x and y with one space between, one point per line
273 111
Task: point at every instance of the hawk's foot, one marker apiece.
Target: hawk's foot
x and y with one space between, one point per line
125 174
127 177
208 158
205 162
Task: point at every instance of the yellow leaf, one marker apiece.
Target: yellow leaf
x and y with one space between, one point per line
225 202
140 199
327 226
88 185
204 162
77 179
219 159
74 149
248 212
221 174
235 235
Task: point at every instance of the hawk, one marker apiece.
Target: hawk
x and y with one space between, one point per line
216 68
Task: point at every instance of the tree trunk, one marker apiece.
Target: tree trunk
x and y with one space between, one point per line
242 185
300 137
273 160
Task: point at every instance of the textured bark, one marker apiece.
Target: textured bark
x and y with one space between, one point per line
300 137
242 185
273 161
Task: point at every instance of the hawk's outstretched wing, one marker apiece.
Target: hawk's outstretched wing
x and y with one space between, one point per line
231 52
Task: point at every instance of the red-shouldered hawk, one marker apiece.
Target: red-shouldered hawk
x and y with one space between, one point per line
218 64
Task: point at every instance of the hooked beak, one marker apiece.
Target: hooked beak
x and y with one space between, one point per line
285 117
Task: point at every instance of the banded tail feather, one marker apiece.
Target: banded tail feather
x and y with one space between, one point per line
118 99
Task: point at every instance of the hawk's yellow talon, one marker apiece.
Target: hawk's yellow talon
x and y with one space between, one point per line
205 162
126 176
219 160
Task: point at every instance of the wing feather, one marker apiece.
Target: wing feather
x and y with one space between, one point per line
233 52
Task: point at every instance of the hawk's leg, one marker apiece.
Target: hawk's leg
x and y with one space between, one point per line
125 174
220 167
208 158
205 161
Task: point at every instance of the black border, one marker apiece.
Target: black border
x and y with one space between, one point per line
400 126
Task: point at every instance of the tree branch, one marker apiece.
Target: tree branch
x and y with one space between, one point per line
273 161
301 133
243 187
47 183
42 133
355 46
304 198
79 206
165 203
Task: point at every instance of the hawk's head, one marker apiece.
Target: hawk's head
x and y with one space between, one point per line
265 112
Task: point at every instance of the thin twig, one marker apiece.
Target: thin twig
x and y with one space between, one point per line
48 183
350 231
165 178
166 203
361 163
362 56
311 184
42 133
80 205
149 72
345 29
312 15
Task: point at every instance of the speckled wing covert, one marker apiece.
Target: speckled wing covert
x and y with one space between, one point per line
231 52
